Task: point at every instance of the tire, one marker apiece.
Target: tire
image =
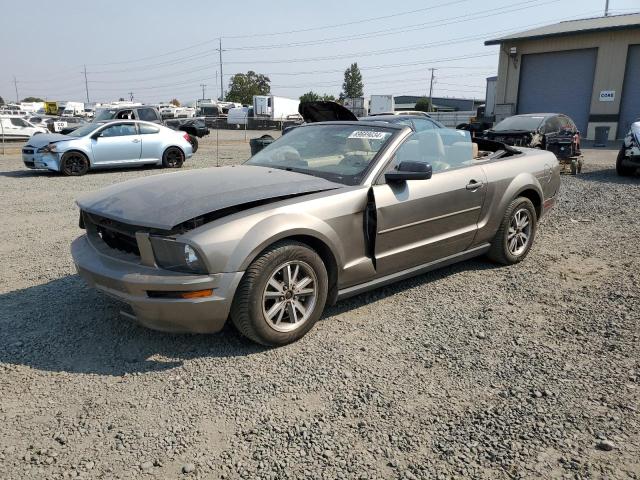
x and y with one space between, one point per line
502 249
172 157
263 290
74 164
620 168
194 143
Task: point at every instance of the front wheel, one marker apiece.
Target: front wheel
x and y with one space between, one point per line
74 164
172 158
516 233
281 295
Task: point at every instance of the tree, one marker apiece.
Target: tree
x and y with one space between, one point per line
243 86
1 101
352 86
175 102
310 96
423 104
32 99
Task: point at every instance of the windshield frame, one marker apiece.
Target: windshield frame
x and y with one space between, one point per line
542 118
361 177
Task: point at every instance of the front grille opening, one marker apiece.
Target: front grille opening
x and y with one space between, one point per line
118 241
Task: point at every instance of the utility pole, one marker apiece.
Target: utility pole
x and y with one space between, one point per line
131 96
431 88
86 84
221 76
203 85
606 8
15 84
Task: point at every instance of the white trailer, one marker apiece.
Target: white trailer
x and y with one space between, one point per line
359 106
381 104
274 108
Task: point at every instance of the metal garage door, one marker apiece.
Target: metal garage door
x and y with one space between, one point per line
559 82
630 106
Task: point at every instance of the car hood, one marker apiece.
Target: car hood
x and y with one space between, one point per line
43 139
324 112
167 200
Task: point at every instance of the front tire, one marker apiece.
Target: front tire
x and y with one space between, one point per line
173 157
516 233
74 164
622 170
281 295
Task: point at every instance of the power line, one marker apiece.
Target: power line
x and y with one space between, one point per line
404 29
254 35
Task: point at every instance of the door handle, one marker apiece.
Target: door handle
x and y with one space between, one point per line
474 185
135 140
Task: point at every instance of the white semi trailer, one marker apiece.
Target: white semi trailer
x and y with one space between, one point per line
269 111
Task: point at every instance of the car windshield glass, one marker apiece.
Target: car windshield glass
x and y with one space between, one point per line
340 153
105 114
84 130
528 124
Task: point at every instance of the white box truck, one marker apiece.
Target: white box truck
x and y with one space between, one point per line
381 104
72 109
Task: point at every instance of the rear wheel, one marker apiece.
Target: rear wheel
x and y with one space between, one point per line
281 295
621 169
516 233
74 164
172 158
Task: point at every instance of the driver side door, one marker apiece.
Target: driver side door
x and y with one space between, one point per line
421 221
116 143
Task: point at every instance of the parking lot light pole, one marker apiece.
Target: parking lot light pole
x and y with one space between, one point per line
606 8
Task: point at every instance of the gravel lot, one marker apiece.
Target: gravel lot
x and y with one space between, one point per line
472 371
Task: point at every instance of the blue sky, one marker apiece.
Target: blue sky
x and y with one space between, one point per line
163 49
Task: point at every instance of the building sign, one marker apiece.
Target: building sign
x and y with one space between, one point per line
607 95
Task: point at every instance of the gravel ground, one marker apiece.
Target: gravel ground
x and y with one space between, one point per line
473 371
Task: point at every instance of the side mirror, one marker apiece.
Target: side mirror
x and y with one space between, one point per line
409 171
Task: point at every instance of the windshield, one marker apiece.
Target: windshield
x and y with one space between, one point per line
527 123
105 114
84 130
340 153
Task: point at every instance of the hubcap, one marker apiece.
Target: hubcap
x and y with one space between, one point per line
519 232
173 158
75 164
290 296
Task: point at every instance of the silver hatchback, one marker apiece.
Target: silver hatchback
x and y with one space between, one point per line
107 144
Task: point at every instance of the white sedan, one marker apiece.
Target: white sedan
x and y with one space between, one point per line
107 144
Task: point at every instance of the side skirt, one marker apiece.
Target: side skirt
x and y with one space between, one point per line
413 271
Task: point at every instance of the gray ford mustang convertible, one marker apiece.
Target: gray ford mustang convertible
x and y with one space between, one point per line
327 211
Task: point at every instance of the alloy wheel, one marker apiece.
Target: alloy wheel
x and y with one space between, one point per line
290 296
75 164
519 233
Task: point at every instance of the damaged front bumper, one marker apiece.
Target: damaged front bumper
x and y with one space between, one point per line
40 161
151 292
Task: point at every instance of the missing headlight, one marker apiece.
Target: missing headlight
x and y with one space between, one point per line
176 256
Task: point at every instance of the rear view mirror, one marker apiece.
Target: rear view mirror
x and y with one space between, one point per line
409 171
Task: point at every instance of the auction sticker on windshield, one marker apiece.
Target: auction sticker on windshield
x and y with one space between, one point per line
371 135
